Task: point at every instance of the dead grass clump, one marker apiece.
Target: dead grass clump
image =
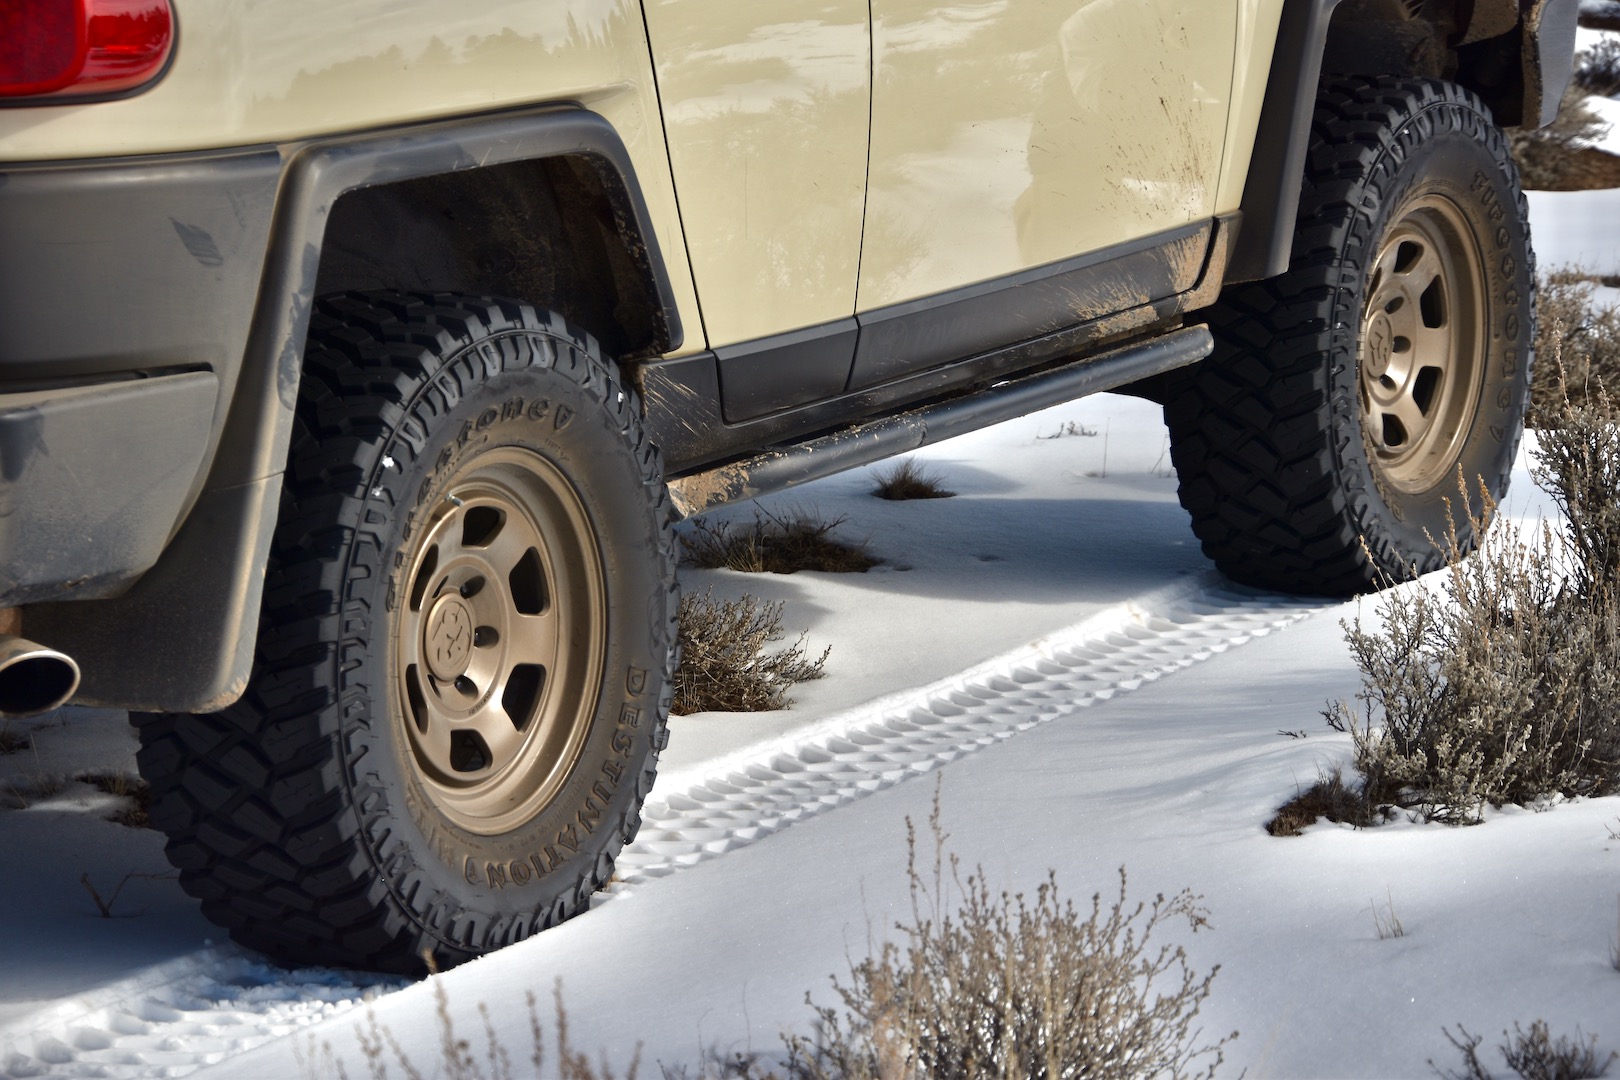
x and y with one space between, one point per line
22 792
1006 988
774 545
1532 1055
1506 687
1386 922
12 742
908 480
1069 428
457 1060
724 664
1330 797
1574 325
136 811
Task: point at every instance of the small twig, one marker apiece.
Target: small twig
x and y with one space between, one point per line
106 906
1164 451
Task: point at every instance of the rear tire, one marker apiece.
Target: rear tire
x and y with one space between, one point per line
462 675
1319 447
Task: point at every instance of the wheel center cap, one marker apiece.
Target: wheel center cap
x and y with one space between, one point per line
449 638
1380 343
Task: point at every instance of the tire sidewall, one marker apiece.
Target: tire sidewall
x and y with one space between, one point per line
1454 151
528 390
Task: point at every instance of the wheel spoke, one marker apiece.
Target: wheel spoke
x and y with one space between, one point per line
1432 346
410 643
507 547
1417 277
534 638
448 538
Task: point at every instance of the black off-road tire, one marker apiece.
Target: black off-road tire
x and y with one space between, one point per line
462 676
1314 454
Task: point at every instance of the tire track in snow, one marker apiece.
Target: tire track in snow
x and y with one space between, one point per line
177 1017
764 789
205 1008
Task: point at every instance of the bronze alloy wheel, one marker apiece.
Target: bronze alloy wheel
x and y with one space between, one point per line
1422 358
463 669
500 640
1321 446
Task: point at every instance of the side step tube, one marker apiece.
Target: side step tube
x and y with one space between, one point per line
788 466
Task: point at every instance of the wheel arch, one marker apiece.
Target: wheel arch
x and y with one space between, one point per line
181 639
558 230
1517 55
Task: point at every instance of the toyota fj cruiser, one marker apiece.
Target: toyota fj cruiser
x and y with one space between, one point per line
357 357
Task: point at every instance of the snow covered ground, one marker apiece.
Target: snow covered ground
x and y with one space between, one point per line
1051 646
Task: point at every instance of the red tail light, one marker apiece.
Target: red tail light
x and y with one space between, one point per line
71 48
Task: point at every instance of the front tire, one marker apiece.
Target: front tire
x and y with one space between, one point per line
1319 447
463 669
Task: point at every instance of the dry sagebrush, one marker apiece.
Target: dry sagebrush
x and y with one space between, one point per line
1582 330
1006 988
725 665
1532 1055
1505 686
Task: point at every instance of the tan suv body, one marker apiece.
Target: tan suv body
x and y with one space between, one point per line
361 268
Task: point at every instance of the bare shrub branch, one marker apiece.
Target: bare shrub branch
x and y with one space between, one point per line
1504 687
1006 988
1582 332
1597 69
1532 1055
724 663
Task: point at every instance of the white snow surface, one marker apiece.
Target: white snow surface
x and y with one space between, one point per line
1051 646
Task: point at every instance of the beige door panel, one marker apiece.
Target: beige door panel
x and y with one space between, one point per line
1256 41
1007 134
766 105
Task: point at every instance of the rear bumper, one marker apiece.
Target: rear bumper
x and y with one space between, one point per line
127 288
93 479
128 291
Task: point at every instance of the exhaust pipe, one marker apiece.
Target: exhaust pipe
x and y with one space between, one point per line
33 679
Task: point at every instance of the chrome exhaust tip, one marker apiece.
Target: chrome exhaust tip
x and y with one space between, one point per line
33 678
